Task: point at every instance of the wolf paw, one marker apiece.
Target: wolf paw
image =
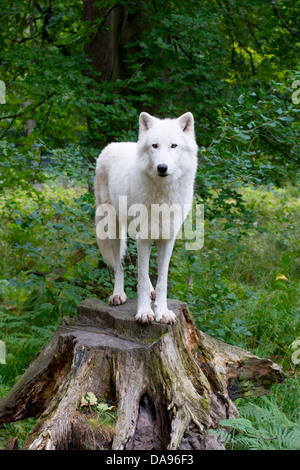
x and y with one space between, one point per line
153 295
117 299
166 316
145 317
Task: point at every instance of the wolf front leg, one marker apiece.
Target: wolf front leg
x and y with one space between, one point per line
144 312
119 296
164 252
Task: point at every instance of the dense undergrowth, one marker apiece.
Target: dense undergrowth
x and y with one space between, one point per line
242 287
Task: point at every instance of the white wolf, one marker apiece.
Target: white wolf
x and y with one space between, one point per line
159 170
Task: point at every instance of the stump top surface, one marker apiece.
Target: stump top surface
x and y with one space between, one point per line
121 319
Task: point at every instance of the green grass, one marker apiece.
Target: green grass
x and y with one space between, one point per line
230 286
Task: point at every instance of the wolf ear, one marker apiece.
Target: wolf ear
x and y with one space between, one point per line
186 122
146 121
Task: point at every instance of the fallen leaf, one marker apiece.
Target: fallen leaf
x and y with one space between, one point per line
90 397
83 402
281 277
102 407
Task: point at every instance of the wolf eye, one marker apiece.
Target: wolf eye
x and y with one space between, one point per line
155 146
173 146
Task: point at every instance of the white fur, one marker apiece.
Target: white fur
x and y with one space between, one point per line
130 169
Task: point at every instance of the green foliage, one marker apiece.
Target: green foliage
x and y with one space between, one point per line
19 429
104 413
263 427
230 285
233 67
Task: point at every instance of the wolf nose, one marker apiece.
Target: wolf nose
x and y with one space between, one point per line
162 168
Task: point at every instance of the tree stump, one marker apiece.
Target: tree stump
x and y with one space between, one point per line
169 384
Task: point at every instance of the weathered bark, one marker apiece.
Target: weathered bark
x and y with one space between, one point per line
169 384
12 444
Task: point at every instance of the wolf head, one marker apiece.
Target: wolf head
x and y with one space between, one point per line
167 148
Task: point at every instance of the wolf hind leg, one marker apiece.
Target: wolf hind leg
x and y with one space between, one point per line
152 290
118 248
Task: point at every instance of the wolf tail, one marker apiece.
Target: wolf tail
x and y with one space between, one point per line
105 245
106 250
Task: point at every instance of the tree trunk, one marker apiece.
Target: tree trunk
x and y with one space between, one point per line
112 30
168 384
